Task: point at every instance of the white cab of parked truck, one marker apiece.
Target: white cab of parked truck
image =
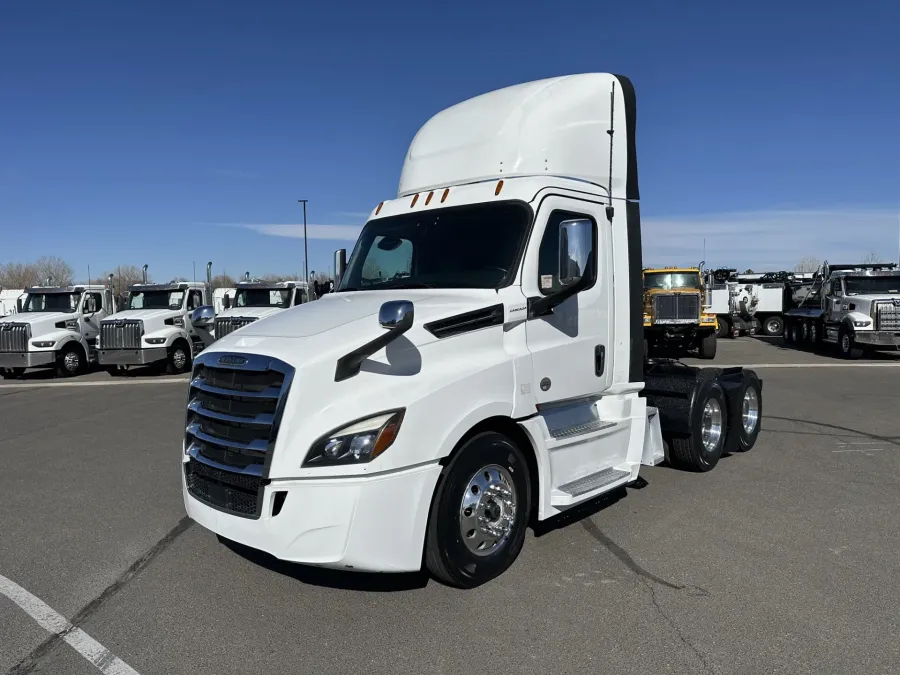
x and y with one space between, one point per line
56 327
254 300
154 327
479 366
221 298
855 307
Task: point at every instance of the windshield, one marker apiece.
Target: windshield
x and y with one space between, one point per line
263 297
872 285
51 302
155 299
456 247
670 280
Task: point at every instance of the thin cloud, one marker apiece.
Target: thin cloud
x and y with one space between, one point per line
771 239
353 214
329 232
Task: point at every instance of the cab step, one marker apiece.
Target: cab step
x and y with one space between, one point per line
590 483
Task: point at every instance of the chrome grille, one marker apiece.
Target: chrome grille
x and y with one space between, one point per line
14 337
121 334
233 414
887 315
229 324
676 308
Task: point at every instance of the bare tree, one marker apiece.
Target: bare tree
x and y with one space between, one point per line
19 275
872 258
223 280
807 264
124 276
56 269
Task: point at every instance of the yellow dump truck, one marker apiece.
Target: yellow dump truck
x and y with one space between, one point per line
675 314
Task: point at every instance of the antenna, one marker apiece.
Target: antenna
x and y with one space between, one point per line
89 275
612 130
194 263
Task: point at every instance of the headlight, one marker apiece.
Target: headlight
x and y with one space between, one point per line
356 443
861 324
44 344
71 324
155 341
178 321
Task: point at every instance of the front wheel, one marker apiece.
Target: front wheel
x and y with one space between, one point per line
847 345
773 325
479 512
70 361
707 346
178 360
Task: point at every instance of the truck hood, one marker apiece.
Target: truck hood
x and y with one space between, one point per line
146 315
328 328
41 322
869 299
248 312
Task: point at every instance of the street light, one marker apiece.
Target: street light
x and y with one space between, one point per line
305 252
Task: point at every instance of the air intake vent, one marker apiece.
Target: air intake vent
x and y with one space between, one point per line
467 322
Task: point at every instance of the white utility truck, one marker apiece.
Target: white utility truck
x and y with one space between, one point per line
155 328
56 327
479 366
255 299
855 307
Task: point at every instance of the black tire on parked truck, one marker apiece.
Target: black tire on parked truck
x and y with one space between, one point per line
702 448
707 346
748 424
773 325
488 478
179 358
12 373
71 360
847 345
724 327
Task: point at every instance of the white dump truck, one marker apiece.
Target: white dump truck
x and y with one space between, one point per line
254 299
479 366
154 327
855 307
56 327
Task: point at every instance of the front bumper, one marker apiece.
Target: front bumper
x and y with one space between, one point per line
26 359
878 338
370 523
131 357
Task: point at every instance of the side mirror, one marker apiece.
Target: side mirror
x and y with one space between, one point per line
226 302
396 314
575 244
90 305
19 305
203 316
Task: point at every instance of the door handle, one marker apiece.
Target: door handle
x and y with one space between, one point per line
599 359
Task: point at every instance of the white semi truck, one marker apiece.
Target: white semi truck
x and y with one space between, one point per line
57 327
479 366
855 307
254 299
154 327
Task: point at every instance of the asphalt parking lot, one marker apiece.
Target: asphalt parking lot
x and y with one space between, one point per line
781 560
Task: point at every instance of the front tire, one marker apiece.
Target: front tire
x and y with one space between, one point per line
71 361
773 325
179 359
707 346
479 512
847 345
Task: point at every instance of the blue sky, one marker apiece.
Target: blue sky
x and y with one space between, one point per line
167 133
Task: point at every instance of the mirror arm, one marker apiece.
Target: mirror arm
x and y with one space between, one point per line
542 305
349 365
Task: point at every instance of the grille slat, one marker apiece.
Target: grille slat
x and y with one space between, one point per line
229 324
121 334
887 316
236 493
13 337
676 307
232 422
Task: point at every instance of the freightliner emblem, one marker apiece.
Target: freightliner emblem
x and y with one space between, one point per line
229 360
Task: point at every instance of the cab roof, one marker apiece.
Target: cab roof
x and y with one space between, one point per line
558 127
76 288
171 286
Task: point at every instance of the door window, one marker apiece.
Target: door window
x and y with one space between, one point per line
549 255
195 300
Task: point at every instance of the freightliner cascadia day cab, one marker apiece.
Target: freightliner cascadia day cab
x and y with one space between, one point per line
478 368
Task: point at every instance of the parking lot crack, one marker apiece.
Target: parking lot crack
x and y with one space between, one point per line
31 661
675 628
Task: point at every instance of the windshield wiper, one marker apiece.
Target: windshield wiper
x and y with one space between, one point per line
410 285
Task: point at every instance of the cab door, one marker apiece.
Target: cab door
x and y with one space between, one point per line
571 346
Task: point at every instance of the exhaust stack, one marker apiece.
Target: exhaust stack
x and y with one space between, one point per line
144 274
209 288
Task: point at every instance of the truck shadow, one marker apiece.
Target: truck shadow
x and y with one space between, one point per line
329 578
827 350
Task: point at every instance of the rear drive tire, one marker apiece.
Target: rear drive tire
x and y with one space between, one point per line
796 335
709 426
724 328
483 499
71 361
750 421
707 346
773 325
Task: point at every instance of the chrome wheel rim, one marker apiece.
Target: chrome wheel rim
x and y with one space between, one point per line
772 326
812 333
750 410
711 426
488 510
179 359
71 362
845 343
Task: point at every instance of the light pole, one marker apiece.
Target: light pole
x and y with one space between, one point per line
305 251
